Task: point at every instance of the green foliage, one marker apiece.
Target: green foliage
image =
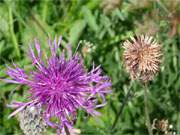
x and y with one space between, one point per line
22 21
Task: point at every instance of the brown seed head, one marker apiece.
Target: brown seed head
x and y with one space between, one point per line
142 57
161 125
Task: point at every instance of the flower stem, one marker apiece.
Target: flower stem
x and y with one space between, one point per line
147 119
44 10
14 40
67 130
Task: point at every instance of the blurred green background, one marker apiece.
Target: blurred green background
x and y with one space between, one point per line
101 26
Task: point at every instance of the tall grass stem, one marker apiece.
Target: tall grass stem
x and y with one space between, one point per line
14 39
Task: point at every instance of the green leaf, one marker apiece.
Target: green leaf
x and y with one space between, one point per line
89 18
76 31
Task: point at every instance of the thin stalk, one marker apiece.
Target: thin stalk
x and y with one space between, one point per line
67 130
44 10
146 110
178 121
126 99
14 39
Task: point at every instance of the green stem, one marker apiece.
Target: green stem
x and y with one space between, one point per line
178 121
147 119
44 10
14 40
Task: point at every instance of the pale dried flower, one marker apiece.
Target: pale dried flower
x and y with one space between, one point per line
142 57
87 47
161 125
31 121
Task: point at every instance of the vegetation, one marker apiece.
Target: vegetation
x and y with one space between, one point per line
101 27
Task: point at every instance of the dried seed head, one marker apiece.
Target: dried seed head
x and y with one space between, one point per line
163 126
87 47
142 57
31 121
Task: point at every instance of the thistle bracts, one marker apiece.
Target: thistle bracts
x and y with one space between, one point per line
31 121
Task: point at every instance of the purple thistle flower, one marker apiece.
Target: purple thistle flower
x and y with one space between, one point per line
60 86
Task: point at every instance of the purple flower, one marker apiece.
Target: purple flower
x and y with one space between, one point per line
60 86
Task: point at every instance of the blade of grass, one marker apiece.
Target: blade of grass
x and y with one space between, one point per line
14 39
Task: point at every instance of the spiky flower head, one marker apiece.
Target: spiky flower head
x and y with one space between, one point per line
142 57
161 125
59 86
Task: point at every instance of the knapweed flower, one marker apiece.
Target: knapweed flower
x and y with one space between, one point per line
59 85
142 57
